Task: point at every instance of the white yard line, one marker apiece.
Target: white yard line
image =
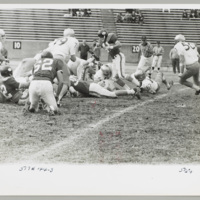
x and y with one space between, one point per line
91 127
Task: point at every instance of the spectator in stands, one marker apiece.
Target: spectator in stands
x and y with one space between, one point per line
192 15
129 10
174 57
137 16
80 12
84 48
87 12
128 17
185 15
119 18
141 18
74 12
133 16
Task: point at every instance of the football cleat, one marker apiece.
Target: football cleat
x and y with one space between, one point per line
171 83
197 92
137 92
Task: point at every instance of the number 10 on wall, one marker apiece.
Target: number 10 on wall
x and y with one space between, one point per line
17 45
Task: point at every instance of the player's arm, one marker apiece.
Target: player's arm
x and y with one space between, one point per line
170 54
73 50
60 82
181 64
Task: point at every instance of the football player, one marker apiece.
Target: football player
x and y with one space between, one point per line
3 50
145 55
158 52
83 69
150 85
41 87
113 46
11 89
62 49
100 90
188 62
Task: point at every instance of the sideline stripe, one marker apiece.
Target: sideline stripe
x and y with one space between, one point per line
91 127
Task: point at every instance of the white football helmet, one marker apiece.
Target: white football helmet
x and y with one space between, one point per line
68 32
180 38
106 71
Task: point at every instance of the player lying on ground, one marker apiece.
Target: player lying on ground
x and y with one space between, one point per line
98 89
105 73
150 85
45 71
12 90
188 62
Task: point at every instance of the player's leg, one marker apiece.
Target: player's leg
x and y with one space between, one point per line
174 65
160 78
159 62
177 65
98 91
135 92
189 72
154 62
48 97
34 95
66 82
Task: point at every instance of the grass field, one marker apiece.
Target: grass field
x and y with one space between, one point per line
158 129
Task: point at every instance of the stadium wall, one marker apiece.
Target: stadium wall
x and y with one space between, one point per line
30 48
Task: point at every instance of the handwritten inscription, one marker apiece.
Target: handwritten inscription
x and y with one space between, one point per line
185 170
31 168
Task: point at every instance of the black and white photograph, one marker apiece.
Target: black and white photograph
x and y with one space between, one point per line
115 88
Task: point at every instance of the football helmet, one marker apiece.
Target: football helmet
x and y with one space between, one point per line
6 71
180 38
102 33
112 38
106 71
46 54
68 32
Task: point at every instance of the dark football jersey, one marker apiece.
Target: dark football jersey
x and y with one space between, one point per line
113 52
46 69
82 87
11 86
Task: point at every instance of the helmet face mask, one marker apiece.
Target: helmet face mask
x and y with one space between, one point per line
106 71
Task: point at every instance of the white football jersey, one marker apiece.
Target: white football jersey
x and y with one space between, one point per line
65 46
99 76
188 50
149 85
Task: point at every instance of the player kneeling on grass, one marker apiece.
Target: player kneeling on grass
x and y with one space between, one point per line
12 90
153 86
44 72
99 89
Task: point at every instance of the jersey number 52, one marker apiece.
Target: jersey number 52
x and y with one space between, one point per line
45 64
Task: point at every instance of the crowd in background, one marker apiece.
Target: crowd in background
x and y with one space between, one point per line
191 14
130 16
80 12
